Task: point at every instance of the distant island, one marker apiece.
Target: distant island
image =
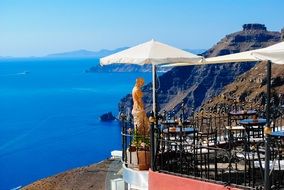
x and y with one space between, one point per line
76 54
82 53
85 53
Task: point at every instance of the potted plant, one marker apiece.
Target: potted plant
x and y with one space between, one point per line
139 151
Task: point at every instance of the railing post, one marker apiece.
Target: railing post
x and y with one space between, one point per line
152 141
267 130
123 131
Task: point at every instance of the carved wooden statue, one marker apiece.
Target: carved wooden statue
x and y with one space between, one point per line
141 122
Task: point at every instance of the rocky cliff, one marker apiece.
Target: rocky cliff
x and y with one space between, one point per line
250 88
196 84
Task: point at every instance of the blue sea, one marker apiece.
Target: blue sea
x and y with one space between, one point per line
49 116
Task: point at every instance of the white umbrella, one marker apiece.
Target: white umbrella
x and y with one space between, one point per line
274 53
151 52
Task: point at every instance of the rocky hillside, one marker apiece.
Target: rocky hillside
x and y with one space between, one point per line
251 88
93 177
196 84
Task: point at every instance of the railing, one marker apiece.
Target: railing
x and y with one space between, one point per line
200 156
278 118
206 148
135 148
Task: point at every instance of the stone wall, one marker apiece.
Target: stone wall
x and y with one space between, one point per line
254 27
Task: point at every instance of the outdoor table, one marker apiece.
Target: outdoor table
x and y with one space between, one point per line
277 134
176 122
237 115
175 127
235 133
253 122
176 130
179 132
252 125
169 122
242 113
177 138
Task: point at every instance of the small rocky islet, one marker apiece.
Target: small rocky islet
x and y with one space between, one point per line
107 117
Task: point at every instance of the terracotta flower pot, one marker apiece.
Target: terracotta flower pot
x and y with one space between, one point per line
143 159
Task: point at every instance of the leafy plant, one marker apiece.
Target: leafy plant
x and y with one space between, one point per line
139 142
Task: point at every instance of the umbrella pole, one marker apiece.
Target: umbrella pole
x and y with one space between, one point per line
154 78
268 130
154 121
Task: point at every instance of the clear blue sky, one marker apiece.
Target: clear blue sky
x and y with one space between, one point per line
40 27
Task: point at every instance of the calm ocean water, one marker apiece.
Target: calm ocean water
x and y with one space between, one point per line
49 113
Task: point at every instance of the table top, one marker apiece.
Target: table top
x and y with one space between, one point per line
259 121
175 122
186 130
169 122
232 128
243 112
279 134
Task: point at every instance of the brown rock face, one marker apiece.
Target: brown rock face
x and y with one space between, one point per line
282 34
196 84
251 87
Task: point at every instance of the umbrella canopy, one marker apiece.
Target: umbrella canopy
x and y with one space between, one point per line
274 53
151 52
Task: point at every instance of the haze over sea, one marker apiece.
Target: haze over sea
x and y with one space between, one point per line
49 116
